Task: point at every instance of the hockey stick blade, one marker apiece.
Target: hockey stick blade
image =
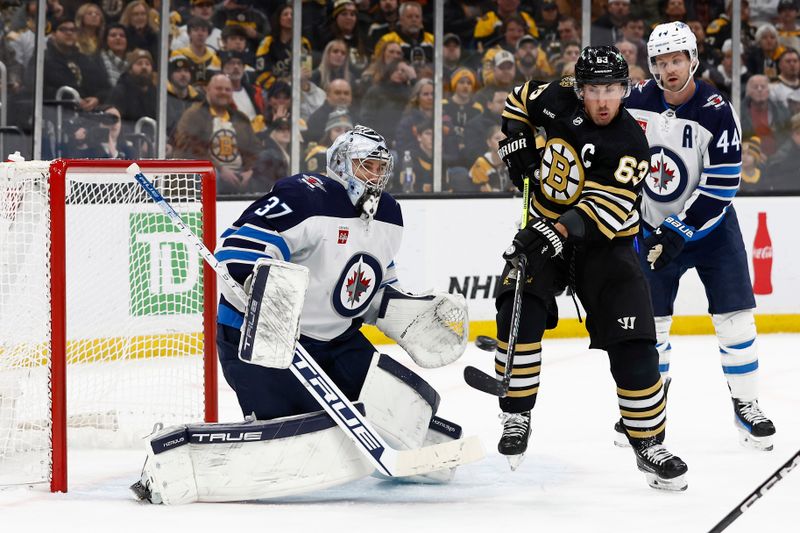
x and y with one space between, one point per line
480 380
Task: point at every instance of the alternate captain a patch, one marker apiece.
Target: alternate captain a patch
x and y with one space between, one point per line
357 285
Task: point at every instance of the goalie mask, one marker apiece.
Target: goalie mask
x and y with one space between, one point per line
360 160
669 38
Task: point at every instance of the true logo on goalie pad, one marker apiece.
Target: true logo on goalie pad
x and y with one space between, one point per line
357 285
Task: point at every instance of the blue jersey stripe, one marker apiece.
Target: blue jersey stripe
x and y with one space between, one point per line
724 193
229 316
264 236
223 255
728 170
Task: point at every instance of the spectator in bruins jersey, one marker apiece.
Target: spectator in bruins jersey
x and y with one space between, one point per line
142 29
532 63
204 60
274 54
205 10
720 28
244 14
344 26
788 30
462 107
316 155
384 20
417 44
489 28
386 100
213 129
752 165
607 28
583 220
763 57
489 173
180 93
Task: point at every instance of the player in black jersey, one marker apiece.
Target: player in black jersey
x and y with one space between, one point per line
583 217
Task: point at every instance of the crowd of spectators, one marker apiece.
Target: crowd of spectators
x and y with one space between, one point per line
229 93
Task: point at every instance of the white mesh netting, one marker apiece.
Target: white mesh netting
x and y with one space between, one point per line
134 312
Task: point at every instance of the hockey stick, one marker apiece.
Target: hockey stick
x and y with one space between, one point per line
762 489
387 460
478 379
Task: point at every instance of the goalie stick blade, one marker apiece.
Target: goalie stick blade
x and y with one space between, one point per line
486 343
477 379
438 457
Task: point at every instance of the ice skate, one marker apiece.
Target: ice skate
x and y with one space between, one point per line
663 470
620 437
755 429
144 489
514 441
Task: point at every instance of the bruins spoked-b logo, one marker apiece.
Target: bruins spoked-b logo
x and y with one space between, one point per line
357 285
562 172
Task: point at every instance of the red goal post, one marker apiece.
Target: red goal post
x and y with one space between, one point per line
121 344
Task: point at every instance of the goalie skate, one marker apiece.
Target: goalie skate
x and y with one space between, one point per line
755 429
514 441
662 469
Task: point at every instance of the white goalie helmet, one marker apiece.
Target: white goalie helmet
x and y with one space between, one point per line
360 160
668 38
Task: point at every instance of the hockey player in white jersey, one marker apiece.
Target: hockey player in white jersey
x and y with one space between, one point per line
346 231
689 221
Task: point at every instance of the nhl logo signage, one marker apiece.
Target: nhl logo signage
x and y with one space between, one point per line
667 179
357 285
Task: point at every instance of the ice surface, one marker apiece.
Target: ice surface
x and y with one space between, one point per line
573 478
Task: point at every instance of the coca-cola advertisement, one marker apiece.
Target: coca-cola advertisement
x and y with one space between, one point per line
762 257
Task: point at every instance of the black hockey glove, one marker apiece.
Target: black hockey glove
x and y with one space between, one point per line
520 155
666 242
540 241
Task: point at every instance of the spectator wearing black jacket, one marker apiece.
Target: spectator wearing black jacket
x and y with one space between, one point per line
135 95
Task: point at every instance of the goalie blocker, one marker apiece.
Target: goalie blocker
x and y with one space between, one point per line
296 454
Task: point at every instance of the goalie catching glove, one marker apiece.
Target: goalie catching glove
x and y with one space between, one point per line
433 327
521 156
540 241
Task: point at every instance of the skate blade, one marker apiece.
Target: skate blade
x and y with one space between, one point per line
752 442
676 484
621 440
515 460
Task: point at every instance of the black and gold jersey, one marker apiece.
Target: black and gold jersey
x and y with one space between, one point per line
598 170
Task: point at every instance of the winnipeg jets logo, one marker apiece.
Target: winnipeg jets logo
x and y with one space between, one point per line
668 176
357 285
312 182
716 101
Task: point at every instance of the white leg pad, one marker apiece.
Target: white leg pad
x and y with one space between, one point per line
250 460
398 402
736 334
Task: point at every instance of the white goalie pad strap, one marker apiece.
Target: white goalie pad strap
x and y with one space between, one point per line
251 460
432 328
272 318
399 403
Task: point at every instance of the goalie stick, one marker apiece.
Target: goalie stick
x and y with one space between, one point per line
478 379
387 460
762 489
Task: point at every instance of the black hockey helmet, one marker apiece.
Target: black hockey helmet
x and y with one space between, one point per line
601 65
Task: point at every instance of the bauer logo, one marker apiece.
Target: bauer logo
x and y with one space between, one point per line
164 273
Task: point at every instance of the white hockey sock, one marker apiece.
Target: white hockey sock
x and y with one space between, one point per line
736 334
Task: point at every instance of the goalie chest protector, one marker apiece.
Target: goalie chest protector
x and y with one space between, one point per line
308 219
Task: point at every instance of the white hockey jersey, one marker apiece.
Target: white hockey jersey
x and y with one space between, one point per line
695 156
309 220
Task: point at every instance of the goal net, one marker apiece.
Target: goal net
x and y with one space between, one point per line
106 314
